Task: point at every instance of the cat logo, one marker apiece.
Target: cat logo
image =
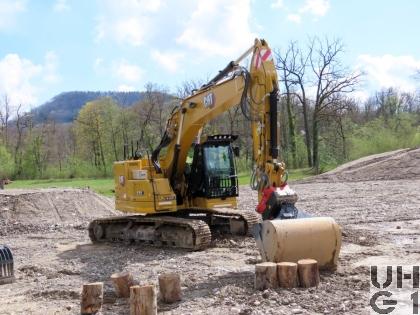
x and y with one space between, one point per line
209 100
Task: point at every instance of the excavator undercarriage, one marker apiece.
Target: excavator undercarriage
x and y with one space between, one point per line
187 228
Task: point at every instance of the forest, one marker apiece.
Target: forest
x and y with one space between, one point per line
322 122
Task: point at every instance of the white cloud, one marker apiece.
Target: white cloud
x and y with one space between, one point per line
61 5
389 71
316 7
128 72
277 4
296 18
130 31
9 10
22 80
168 60
126 21
219 27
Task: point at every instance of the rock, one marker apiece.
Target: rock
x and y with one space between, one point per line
233 242
235 310
285 302
256 303
296 311
68 307
398 227
362 239
266 294
246 311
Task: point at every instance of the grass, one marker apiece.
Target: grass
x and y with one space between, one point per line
101 186
105 186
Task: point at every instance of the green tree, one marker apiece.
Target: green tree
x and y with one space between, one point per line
97 132
6 163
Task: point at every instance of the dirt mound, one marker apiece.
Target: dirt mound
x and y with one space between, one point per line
399 164
52 207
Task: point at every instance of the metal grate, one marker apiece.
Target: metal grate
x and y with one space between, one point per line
222 186
6 265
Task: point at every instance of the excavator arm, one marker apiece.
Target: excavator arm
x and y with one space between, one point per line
256 91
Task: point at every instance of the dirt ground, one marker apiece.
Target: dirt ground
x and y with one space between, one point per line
380 221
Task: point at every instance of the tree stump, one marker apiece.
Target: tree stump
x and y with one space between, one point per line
122 282
170 287
308 273
92 298
266 275
143 300
287 274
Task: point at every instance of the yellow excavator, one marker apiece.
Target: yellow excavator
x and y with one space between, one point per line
179 204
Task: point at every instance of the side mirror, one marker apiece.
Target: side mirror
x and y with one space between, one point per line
236 151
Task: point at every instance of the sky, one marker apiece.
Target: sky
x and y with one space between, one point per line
52 46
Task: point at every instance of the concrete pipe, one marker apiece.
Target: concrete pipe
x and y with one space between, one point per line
291 240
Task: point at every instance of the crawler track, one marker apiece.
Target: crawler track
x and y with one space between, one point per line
188 228
155 230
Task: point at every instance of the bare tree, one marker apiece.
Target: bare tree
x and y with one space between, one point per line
22 122
293 67
5 113
188 87
286 64
331 81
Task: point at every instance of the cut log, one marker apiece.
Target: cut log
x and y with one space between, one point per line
122 282
308 273
143 300
287 274
170 287
92 298
265 276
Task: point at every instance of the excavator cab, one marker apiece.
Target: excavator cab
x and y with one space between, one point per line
212 173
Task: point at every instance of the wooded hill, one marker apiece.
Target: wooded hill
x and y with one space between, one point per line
64 107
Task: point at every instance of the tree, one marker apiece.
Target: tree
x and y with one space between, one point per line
5 113
293 68
95 130
149 117
286 65
23 121
331 82
6 162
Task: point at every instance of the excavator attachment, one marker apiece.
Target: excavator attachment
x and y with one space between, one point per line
6 265
290 240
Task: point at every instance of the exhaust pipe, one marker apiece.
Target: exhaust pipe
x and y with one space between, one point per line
7 274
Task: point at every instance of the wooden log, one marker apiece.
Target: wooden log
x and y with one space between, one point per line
92 298
308 273
265 275
143 300
122 282
287 274
170 287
